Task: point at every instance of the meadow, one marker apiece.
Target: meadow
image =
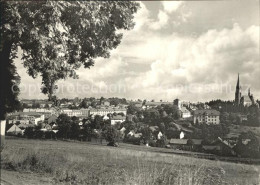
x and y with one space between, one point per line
62 162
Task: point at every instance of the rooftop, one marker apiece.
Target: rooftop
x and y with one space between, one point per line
206 112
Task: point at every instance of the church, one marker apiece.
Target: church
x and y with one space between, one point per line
240 100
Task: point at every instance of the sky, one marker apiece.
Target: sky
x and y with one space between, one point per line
191 50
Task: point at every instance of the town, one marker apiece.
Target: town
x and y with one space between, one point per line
224 128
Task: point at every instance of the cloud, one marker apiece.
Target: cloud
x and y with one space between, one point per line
171 6
143 19
185 50
207 61
104 68
162 21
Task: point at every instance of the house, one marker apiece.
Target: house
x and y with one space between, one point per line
219 147
117 119
105 117
24 126
52 119
159 135
17 121
30 117
75 112
106 111
154 128
225 148
122 130
13 129
207 116
195 144
137 135
182 135
130 133
178 143
185 113
211 148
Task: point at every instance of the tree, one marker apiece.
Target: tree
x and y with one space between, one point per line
83 103
29 132
151 116
110 134
64 124
161 142
102 99
146 134
98 122
56 38
162 127
74 129
36 105
132 109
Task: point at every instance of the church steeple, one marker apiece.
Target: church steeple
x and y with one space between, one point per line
238 85
238 92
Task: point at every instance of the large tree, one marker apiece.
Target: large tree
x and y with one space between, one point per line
56 38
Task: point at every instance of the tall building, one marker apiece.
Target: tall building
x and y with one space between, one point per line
238 92
246 100
178 103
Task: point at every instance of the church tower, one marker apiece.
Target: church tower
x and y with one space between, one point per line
238 92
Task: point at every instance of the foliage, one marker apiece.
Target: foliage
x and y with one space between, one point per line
146 134
110 134
250 149
74 128
58 37
64 125
162 142
132 109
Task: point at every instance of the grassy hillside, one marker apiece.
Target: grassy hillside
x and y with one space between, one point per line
83 163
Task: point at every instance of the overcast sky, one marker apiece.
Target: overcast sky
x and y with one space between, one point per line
187 50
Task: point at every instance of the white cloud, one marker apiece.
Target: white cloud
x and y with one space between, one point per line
177 45
162 21
171 6
141 18
103 69
213 58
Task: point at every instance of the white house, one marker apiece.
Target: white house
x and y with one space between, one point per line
75 112
207 116
106 111
159 136
28 117
185 113
14 129
117 119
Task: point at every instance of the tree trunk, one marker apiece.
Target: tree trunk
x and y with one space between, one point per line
3 123
4 60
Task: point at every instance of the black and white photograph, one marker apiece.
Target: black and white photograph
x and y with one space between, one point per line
130 92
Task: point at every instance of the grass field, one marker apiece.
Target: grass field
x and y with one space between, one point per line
82 163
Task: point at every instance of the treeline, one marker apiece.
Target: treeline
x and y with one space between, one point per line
71 128
241 115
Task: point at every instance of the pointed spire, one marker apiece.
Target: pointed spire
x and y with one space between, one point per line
238 86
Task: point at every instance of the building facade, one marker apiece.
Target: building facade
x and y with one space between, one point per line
206 116
105 112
